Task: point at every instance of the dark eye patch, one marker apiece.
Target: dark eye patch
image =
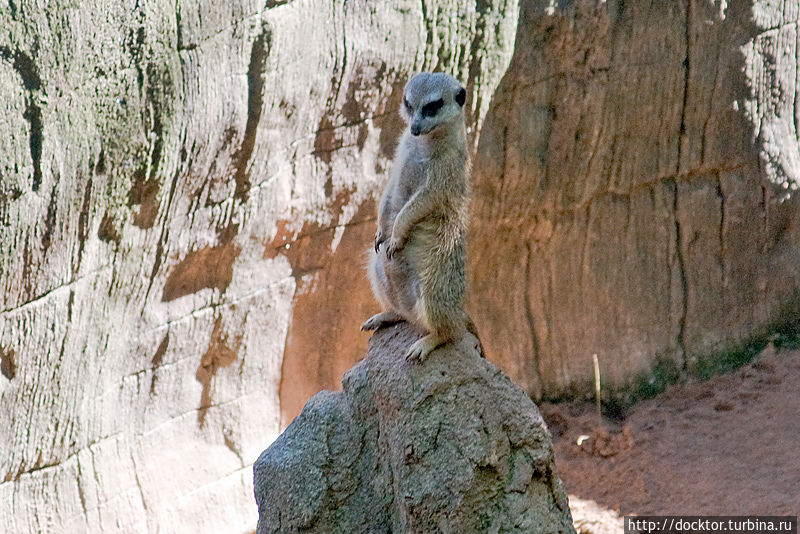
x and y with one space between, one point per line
430 109
408 106
461 97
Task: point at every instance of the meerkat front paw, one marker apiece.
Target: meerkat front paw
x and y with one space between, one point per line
420 350
393 246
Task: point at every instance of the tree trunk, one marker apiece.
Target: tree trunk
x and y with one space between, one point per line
634 192
174 178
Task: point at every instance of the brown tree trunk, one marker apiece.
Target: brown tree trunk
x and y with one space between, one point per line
634 192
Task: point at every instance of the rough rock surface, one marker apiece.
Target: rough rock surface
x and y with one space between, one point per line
633 189
451 445
175 179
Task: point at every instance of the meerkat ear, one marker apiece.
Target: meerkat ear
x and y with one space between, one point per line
461 96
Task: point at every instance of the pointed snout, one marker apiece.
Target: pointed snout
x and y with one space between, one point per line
416 129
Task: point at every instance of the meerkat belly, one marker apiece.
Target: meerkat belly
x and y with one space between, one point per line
405 270
437 259
402 279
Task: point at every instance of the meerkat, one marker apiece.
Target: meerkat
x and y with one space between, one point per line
417 267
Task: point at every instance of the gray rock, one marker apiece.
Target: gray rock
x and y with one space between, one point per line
451 445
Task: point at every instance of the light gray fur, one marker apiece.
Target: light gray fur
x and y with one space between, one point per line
417 270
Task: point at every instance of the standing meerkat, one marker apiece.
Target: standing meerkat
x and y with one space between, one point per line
417 269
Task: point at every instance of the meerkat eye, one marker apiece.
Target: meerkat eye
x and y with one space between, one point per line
430 109
408 106
461 96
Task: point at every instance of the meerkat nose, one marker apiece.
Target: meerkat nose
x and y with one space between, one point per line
415 129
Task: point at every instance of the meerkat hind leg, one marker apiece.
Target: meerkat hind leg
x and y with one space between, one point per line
380 320
422 347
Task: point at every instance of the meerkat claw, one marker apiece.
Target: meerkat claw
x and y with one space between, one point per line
394 246
379 239
420 349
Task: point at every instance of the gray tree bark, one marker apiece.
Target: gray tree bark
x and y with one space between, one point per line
161 163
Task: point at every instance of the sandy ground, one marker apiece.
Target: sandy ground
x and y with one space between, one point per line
728 446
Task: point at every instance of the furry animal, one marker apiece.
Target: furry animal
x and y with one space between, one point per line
417 269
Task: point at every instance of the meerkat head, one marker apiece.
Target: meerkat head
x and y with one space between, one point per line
432 100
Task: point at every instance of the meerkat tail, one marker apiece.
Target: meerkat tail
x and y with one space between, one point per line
472 329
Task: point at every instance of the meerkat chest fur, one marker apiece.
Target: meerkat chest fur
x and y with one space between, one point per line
435 167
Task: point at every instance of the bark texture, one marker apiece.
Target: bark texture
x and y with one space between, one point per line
449 446
633 190
175 179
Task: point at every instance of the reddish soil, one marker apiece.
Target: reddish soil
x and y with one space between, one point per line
727 446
